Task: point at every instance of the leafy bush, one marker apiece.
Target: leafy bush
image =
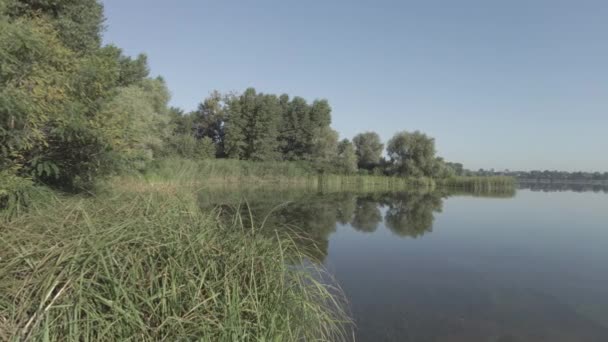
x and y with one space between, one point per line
17 194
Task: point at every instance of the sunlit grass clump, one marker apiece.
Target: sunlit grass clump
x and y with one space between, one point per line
151 266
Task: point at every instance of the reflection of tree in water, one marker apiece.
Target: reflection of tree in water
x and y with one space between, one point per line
412 214
367 214
313 220
311 216
346 206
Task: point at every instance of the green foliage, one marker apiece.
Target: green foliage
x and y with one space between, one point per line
14 192
134 122
346 161
257 126
302 127
479 183
457 168
234 139
205 148
367 215
231 173
412 214
79 23
324 149
179 122
150 265
34 100
412 154
548 176
294 138
369 149
132 71
17 194
441 169
71 111
209 119
252 126
187 146
183 145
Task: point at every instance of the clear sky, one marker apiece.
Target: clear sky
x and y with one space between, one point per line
518 84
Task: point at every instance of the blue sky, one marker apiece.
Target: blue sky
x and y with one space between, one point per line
519 84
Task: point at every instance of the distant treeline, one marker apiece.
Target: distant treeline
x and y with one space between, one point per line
546 175
267 127
564 186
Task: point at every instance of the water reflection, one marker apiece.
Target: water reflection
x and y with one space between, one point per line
486 270
367 214
412 214
315 215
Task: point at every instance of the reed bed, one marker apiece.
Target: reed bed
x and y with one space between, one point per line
490 184
149 265
231 174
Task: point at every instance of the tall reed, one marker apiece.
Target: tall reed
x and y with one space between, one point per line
149 266
479 184
229 173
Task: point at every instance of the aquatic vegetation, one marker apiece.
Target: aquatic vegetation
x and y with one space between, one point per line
476 184
229 173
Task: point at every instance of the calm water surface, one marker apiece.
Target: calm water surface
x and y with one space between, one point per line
431 267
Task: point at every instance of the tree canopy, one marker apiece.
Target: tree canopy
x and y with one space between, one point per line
369 149
72 110
412 154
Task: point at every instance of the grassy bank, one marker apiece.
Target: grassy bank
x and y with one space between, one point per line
141 260
150 265
230 173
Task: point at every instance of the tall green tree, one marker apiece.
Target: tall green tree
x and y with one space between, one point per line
346 161
369 149
79 23
441 169
135 121
302 124
458 168
181 122
412 154
324 149
210 118
252 126
71 110
295 132
35 104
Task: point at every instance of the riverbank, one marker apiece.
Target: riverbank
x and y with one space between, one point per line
17 194
151 265
241 173
138 257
